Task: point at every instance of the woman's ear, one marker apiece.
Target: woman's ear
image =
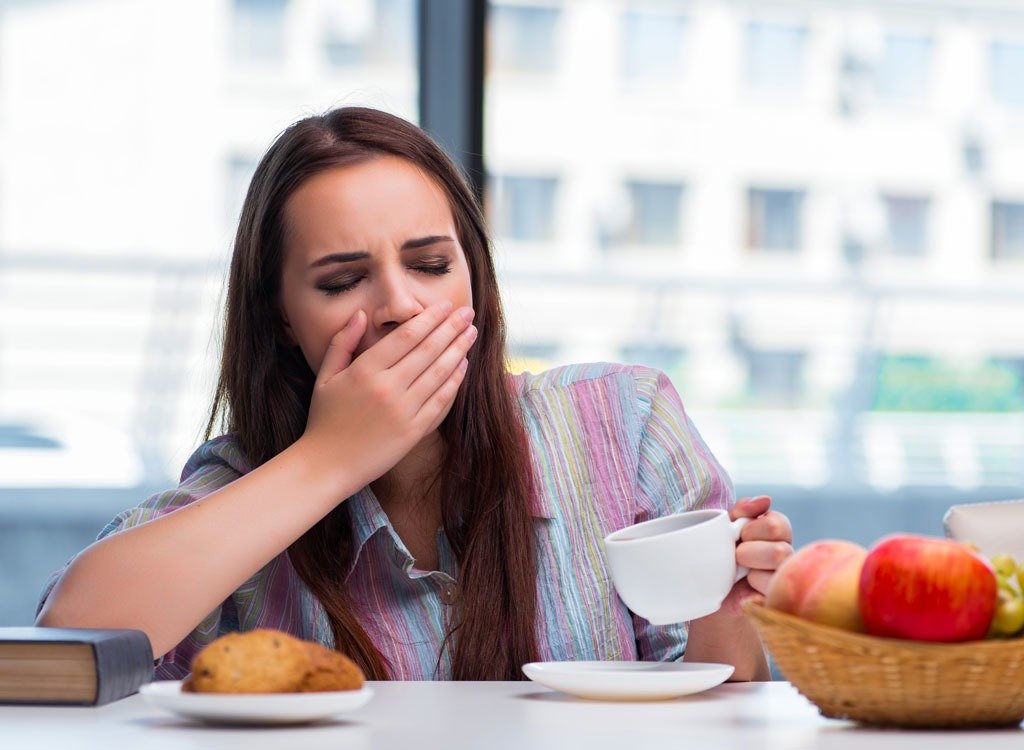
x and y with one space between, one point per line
285 332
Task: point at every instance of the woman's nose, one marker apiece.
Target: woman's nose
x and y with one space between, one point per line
395 302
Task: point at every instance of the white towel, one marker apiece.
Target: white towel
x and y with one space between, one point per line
996 528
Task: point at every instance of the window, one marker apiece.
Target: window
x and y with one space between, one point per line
369 31
1007 73
907 225
522 208
654 216
773 218
257 30
1007 230
775 57
652 45
904 68
109 321
523 38
775 377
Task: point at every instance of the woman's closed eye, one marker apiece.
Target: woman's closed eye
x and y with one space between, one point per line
438 267
341 284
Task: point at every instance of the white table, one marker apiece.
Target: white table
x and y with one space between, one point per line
496 715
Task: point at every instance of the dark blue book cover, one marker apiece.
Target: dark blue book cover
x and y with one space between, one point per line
72 666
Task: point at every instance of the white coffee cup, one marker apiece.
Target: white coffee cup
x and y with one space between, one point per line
676 568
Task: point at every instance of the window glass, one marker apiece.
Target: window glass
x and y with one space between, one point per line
524 38
773 218
907 220
904 67
775 57
522 208
129 134
654 217
1007 73
361 31
1007 230
652 45
258 30
723 223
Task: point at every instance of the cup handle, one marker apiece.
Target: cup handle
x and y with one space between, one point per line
737 527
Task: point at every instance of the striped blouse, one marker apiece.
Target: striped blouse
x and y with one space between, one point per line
611 445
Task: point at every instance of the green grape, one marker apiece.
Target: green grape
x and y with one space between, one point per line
1020 577
1009 616
1007 585
1005 565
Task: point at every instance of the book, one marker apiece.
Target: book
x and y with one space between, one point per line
72 666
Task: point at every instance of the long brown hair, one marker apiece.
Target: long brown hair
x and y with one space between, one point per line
485 480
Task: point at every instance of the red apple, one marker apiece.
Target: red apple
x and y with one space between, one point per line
926 589
819 582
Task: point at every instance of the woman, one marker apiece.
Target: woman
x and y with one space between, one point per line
383 485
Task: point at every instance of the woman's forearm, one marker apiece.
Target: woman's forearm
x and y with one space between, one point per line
728 639
165 576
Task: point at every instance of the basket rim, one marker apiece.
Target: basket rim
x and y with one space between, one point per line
757 608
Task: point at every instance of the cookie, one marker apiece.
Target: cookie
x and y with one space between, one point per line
330 670
258 661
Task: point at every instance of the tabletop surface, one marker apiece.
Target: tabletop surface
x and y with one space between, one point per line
485 715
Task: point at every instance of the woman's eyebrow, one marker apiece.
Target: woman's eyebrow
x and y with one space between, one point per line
425 241
413 244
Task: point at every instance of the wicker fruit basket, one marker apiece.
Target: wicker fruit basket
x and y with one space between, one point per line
896 683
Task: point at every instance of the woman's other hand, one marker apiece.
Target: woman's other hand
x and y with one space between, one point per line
764 543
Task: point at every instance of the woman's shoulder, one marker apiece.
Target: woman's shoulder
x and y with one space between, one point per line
224 451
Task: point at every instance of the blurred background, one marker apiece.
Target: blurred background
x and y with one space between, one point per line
809 214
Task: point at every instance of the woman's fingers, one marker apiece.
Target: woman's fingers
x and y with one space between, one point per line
759 579
770 527
339 352
436 407
394 347
436 373
438 353
750 507
765 556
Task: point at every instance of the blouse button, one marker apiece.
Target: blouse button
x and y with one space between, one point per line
448 593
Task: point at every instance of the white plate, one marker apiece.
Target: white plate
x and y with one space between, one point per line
252 708
628 680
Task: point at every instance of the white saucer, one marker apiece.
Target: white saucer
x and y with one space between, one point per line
252 708
628 680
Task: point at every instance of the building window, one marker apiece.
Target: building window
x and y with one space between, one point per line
652 45
775 57
374 31
523 208
904 68
257 30
524 37
774 219
1007 73
775 377
654 215
907 224
1007 230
